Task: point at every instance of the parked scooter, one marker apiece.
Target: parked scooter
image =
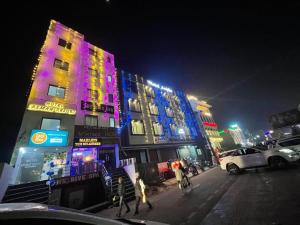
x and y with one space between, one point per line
193 169
199 165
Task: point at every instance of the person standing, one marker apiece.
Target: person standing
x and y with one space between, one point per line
140 194
121 193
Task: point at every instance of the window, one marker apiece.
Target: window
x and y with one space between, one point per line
137 127
150 91
158 129
111 122
290 142
50 124
110 98
61 65
174 129
153 109
131 86
180 115
231 153
93 72
109 78
56 91
108 59
166 95
250 151
91 121
64 43
169 112
186 131
93 94
92 52
134 105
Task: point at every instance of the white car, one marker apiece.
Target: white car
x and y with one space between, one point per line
243 158
290 142
39 214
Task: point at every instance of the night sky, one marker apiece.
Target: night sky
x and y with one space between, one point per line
243 59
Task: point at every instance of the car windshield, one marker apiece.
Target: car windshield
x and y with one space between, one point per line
290 142
224 154
262 147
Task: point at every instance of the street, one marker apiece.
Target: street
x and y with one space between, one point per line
254 197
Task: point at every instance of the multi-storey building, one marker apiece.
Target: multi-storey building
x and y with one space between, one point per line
158 123
237 134
206 121
72 110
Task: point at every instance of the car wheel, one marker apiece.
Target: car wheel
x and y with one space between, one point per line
277 162
233 169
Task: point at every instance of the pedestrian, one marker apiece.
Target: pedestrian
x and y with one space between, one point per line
121 194
140 194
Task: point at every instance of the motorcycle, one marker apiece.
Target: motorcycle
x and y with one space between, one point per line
192 169
199 165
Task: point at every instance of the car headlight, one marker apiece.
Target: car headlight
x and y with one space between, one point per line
286 150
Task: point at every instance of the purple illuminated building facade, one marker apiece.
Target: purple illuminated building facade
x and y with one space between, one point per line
72 115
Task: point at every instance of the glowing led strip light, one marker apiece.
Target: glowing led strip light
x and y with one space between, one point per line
52 107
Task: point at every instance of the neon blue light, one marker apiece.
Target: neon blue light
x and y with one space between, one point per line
189 120
234 125
189 116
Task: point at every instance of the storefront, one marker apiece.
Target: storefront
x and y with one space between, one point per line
37 163
46 154
190 152
93 147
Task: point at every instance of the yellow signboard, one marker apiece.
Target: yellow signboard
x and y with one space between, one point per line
86 142
202 108
52 107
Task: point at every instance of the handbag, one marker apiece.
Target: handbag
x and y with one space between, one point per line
116 200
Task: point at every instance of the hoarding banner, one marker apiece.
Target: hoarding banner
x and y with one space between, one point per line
48 138
86 142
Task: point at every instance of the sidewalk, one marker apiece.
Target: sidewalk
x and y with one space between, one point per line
154 191
166 185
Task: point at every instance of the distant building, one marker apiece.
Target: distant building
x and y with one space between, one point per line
237 134
158 123
228 142
286 123
206 120
208 126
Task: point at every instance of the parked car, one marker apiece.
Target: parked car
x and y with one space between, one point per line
290 142
234 161
39 214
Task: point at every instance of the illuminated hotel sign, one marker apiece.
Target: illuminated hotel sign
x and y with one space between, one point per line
158 86
48 138
90 106
51 107
208 124
86 142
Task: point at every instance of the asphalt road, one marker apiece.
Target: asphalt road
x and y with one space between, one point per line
262 197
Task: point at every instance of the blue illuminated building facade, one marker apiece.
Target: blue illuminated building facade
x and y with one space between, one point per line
157 123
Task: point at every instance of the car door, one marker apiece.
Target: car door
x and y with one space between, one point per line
237 158
253 157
